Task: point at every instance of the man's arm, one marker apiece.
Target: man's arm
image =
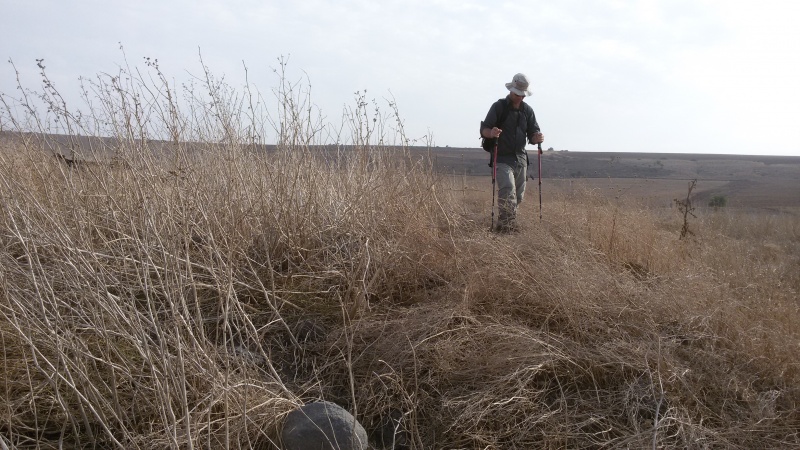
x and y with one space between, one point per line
534 132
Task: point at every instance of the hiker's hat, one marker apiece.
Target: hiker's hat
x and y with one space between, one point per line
519 85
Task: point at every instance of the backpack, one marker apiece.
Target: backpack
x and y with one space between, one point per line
489 143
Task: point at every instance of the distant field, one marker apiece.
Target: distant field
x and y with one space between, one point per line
654 179
662 192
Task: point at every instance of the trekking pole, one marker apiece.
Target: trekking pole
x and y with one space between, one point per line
494 180
540 182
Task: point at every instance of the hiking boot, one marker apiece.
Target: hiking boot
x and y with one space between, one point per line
511 227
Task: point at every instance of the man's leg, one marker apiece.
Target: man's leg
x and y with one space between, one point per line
506 196
520 175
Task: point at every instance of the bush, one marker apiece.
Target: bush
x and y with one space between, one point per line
718 201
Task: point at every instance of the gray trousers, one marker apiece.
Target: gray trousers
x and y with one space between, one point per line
510 190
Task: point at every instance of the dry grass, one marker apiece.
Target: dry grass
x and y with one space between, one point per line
190 301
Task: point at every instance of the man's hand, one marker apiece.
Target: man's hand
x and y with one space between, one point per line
491 133
537 138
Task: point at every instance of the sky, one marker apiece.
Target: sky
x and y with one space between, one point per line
678 76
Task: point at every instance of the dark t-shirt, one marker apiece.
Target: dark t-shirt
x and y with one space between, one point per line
517 131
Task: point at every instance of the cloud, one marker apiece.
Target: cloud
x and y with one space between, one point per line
606 74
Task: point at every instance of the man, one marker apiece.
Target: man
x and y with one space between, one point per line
519 126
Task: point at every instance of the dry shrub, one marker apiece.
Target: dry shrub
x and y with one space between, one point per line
189 292
547 339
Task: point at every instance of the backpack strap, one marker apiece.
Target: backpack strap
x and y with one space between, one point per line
503 113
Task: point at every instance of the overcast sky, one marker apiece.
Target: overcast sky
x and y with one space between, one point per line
695 76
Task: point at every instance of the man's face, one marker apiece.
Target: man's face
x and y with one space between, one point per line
516 99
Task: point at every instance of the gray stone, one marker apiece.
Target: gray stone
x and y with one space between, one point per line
390 434
322 426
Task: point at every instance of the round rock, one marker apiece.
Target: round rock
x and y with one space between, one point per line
322 426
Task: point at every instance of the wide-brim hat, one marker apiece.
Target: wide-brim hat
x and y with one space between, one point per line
519 85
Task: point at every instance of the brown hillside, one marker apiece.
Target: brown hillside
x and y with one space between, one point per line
656 178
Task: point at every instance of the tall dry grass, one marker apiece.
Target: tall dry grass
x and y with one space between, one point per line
187 293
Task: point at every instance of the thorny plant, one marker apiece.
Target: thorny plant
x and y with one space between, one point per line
686 209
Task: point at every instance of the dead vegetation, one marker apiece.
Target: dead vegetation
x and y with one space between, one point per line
141 309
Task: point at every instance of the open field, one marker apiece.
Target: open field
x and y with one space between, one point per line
192 297
746 181
651 179
199 303
778 196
